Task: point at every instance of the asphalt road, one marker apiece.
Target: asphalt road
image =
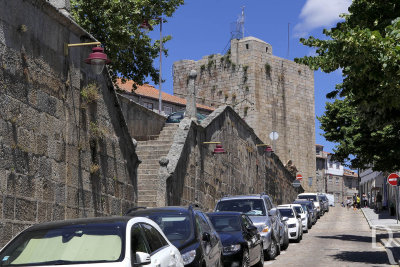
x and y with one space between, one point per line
340 238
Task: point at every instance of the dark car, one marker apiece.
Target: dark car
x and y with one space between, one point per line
179 115
188 229
283 230
240 238
312 211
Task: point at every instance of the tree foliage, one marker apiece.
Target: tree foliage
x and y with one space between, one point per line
115 23
365 118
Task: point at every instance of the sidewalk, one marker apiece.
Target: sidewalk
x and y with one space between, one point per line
386 231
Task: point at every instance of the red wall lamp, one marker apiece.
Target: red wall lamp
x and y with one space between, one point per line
268 148
218 147
97 59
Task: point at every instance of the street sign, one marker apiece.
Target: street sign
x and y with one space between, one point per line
392 178
299 177
296 183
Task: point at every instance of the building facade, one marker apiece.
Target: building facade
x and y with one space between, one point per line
271 94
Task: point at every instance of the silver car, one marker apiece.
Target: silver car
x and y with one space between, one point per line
263 215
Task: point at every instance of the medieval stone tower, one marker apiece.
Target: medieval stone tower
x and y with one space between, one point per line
270 93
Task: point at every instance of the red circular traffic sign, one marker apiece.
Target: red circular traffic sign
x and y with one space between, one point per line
392 178
299 177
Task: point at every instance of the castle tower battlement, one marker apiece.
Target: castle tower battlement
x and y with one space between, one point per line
270 93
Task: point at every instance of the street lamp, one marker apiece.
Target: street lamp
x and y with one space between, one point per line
218 147
146 26
97 58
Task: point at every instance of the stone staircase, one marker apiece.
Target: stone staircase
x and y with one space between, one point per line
150 152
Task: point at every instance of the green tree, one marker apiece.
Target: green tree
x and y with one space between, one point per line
364 120
115 23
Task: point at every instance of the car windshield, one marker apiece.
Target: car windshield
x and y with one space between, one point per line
250 207
304 206
73 244
287 213
298 209
176 227
225 223
311 197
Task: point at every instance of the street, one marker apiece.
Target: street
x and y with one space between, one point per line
340 238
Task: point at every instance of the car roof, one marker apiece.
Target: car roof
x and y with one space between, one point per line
302 200
284 207
168 209
309 194
84 221
255 196
290 205
222 213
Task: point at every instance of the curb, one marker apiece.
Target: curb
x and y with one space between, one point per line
368 221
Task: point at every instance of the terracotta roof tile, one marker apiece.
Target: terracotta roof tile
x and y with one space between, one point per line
147 90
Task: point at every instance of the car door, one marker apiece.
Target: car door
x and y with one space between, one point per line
252 239
162 255
210 246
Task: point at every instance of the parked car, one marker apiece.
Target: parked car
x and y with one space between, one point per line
317 202
325 201
284 236
304 216
111 241
295 229
262 213
240 238
190 230
176 117
310 208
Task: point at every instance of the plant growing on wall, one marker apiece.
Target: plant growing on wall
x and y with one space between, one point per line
245 67
267 67
96 132
94 168
245 109
90 93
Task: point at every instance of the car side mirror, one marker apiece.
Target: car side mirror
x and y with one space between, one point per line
252 229
142 258
272 212
284 219
206 237
298 216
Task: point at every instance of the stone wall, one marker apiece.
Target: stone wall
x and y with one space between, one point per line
193 174
61 156
268 92
143 124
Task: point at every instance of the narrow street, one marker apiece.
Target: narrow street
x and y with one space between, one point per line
340 238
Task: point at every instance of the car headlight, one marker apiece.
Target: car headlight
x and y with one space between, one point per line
265 229
291 225
188 257
232 248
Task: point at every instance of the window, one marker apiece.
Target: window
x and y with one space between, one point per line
309 181
337 165
247 46
138 243
154 238
330 179
337 180
330 165
266 49
167 110
148 105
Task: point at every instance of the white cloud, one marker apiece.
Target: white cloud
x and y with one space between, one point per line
320 13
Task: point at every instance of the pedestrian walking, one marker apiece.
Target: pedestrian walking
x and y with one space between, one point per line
379 202
355 201
364 200
358 202
348 203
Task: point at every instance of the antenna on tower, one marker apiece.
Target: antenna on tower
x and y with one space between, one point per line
237 28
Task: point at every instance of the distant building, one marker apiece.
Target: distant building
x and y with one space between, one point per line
333 178
147 96
373 182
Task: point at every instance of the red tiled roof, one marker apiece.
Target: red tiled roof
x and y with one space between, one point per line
350 173
147 90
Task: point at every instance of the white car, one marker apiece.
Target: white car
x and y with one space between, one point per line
314 197
295 229
304 218
107 241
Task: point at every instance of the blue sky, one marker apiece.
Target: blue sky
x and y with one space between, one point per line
202 27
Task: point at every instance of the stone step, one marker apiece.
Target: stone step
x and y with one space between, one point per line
147 198
147 192
152 155
155 142
148 171
147 204
150 162
146 166
152 147
148 186
145 177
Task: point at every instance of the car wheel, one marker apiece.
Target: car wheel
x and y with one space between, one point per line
273 250
297 240
260 263
285 242
245 258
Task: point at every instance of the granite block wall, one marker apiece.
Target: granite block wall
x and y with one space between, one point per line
194 175
268 92
61 155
